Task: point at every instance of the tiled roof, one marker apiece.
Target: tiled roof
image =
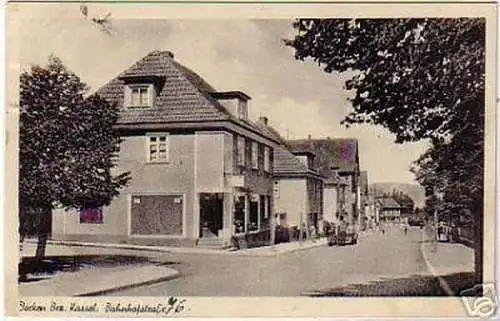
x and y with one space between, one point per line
331 177
338 152
286 162
388 202
183 96
179 99
269 130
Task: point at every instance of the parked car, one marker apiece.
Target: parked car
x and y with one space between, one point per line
346 235
416 222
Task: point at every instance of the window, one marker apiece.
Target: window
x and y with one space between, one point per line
91 215
267 159
241 151
255 155
157 148
139 96
242 110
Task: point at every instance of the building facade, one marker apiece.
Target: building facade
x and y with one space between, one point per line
337 158
389 210
298 186
201 170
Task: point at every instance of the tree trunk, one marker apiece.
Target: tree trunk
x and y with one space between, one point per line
44 228
41 245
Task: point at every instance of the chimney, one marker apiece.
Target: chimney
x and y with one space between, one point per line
170 54
263 120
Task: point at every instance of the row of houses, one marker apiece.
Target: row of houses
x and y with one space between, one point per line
202 170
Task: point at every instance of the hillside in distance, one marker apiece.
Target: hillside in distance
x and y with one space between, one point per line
416 192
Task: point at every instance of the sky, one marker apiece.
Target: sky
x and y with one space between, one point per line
298 98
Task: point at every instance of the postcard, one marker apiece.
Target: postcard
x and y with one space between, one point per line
250 159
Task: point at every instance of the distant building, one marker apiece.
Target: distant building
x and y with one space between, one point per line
389 209
338 160
298 187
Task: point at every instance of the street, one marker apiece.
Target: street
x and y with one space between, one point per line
379 265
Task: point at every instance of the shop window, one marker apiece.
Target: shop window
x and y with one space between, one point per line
239 214
253 224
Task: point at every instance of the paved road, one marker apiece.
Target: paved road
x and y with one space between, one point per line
389 264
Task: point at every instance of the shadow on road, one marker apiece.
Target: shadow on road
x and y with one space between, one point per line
31 269
415 285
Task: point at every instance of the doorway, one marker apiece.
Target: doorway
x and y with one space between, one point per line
211 213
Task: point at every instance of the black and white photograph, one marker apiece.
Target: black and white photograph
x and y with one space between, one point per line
327 158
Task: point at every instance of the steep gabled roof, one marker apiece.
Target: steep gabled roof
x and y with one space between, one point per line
388 202
269 130
286 162
339 152
182 95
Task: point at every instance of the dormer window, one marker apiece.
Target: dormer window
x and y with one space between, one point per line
139 96
236 102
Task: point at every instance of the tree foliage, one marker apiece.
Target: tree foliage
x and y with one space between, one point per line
67 141
412 76
419 78
422 79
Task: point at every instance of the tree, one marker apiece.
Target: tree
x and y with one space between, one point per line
411 76
422 79
67 147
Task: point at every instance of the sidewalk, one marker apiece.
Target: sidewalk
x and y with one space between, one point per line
90 279
272 250
94 280
97 281
445 259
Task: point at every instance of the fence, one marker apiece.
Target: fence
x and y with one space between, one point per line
466 235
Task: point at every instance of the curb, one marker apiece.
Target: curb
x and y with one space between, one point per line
132 247
275 253
174 275
442 282
247 252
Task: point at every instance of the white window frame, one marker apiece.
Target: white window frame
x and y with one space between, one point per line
129 96
241 149
242 110
255 155
155 142
267 159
